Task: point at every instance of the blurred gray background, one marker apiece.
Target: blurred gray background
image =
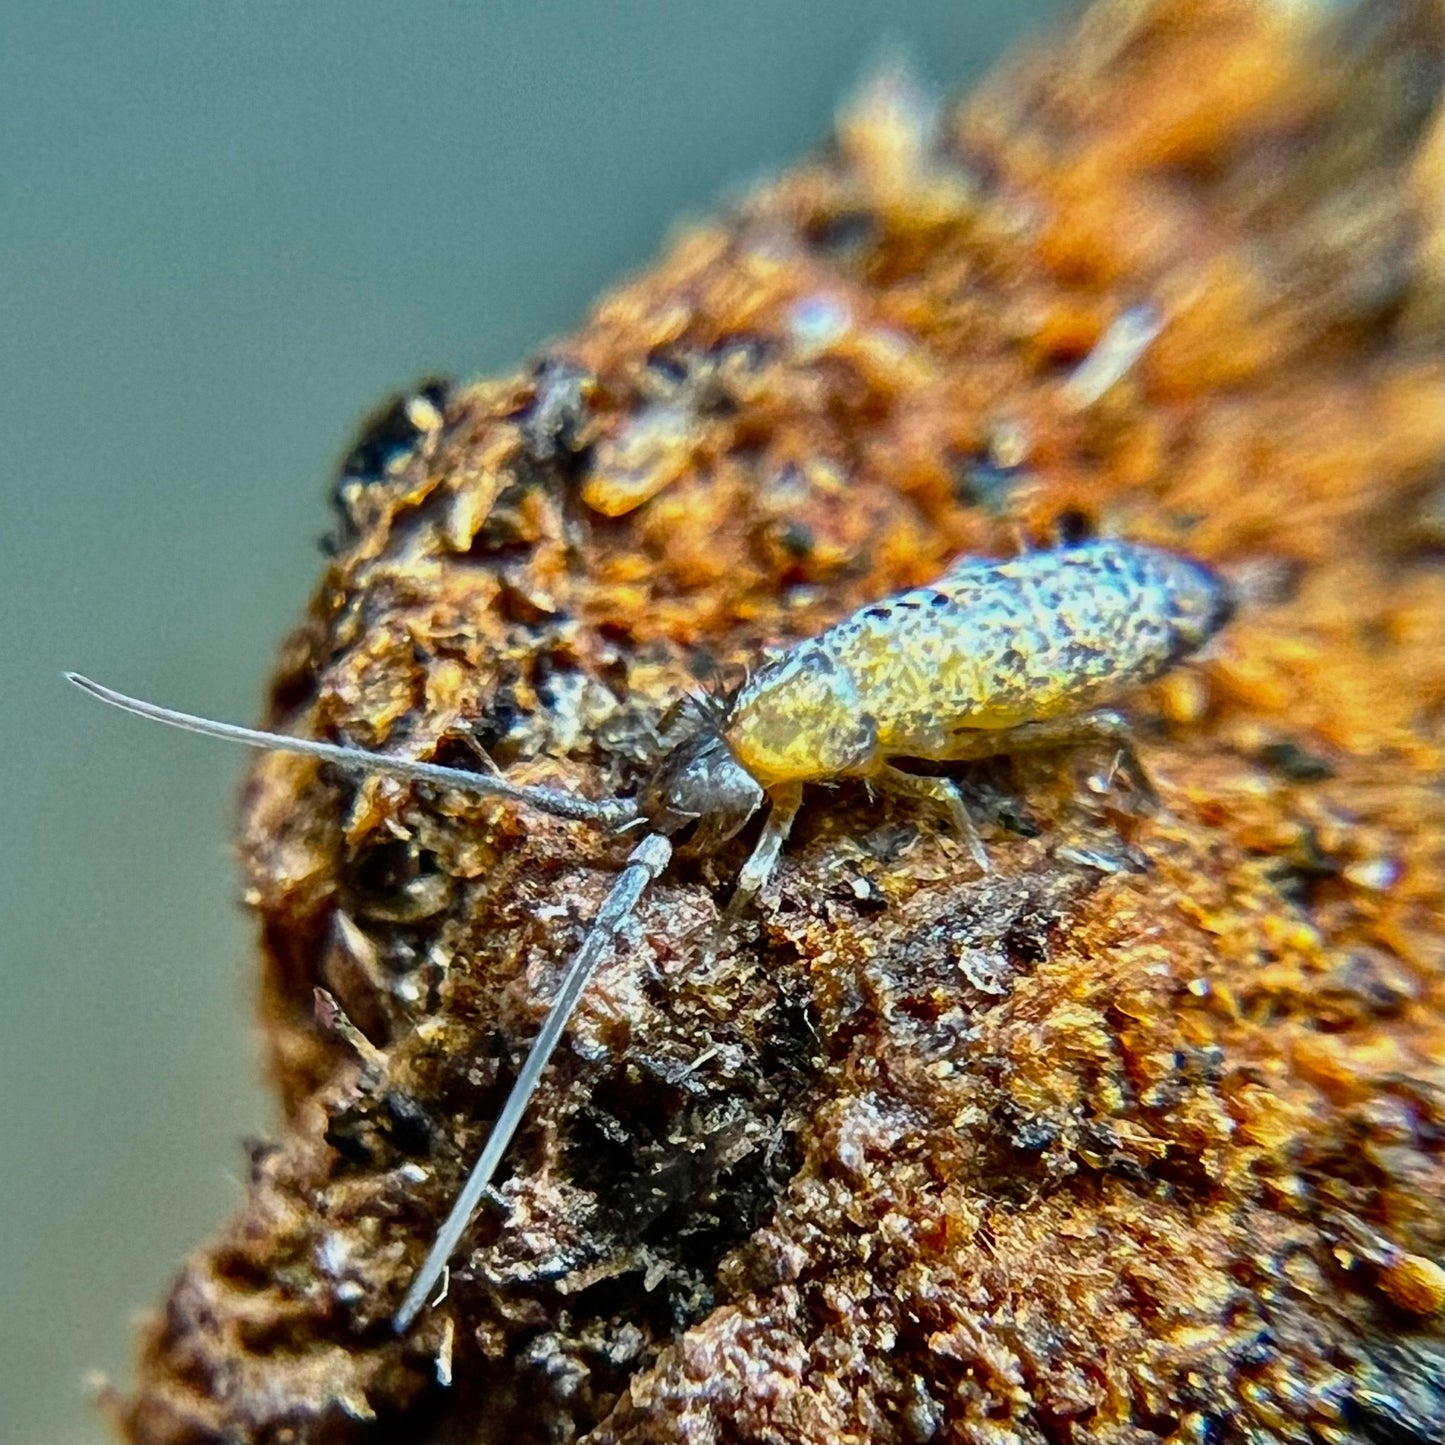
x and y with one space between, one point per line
226 231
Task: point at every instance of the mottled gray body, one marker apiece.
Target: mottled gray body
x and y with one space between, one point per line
995 644
988 647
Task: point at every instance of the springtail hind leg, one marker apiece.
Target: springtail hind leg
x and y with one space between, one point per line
1104 725
643 866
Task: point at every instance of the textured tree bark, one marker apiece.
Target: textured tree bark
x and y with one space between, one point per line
1138 1137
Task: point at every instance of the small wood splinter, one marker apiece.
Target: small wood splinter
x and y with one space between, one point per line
994 657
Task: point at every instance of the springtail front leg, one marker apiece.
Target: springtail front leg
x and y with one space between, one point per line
754 874
942 794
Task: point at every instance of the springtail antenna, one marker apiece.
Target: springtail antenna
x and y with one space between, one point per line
643 865
610 813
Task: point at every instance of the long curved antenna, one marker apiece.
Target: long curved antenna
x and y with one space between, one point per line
610 813
643 865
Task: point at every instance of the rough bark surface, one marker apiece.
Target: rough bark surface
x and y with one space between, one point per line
1138 1138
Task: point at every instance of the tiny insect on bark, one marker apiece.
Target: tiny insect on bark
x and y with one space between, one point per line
994 657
